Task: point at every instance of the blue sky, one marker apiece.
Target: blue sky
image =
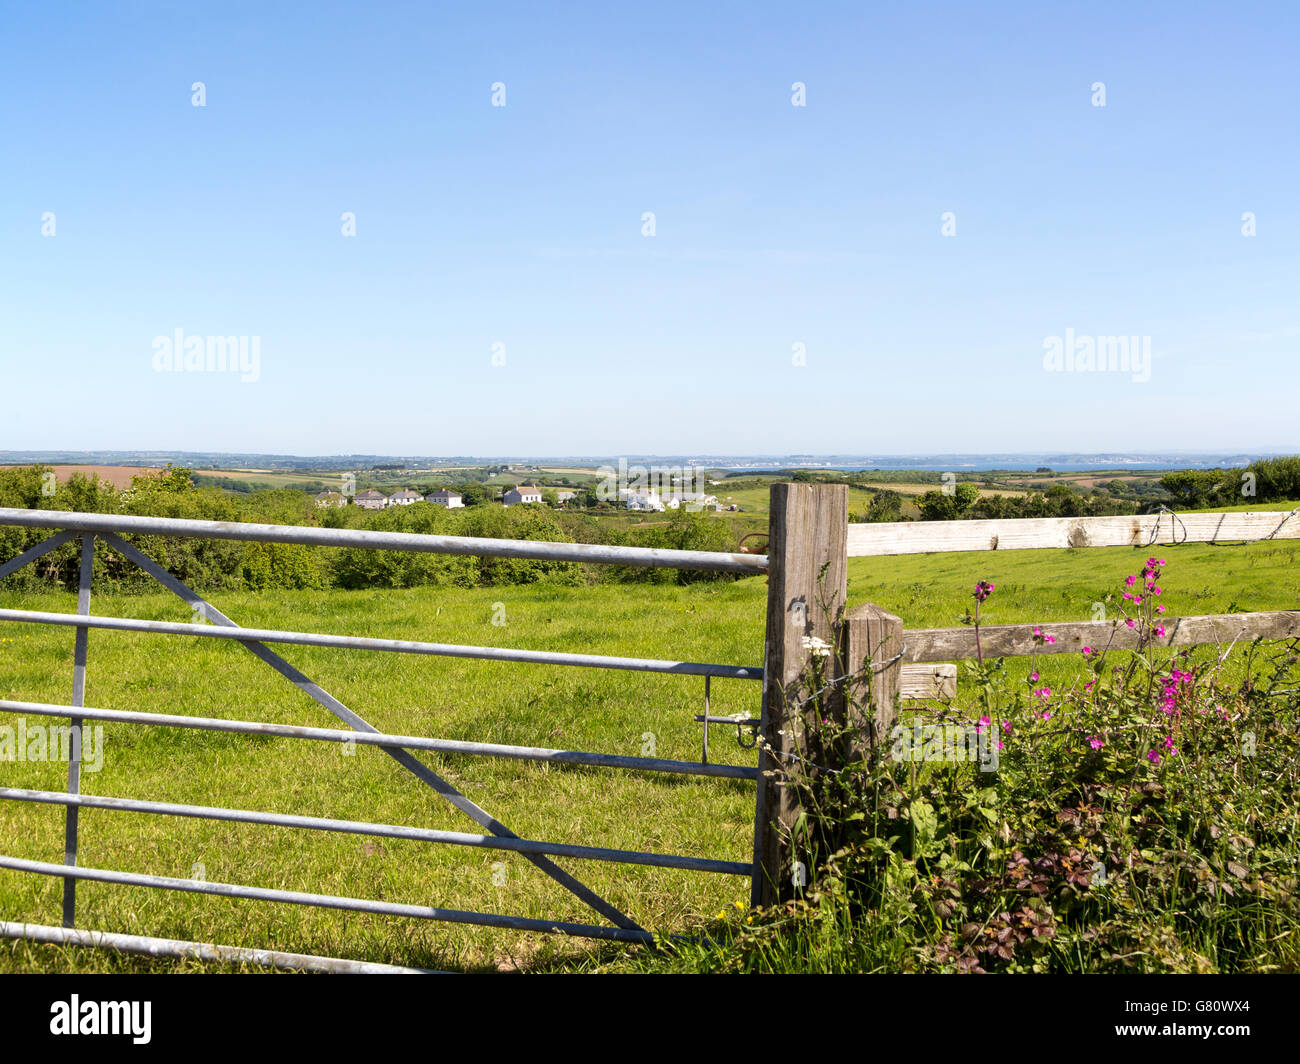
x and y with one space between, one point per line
775 225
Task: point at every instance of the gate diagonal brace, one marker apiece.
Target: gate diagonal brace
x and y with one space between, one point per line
402 757
32 553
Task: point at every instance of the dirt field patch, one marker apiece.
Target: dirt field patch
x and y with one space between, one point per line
118 476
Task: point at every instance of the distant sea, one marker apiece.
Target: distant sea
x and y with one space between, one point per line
1057 462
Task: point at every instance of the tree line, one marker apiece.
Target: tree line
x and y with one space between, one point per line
216 564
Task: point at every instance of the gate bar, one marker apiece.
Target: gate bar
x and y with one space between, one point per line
388 831
403 646
326 901
79 651
536 550
382 739
202 951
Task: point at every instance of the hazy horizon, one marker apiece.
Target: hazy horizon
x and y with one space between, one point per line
967 461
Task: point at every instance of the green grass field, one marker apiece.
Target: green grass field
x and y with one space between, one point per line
1270 507
755 500
538 705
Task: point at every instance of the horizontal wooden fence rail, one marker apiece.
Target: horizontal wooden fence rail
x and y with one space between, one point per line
1037 533
926 681
1017 640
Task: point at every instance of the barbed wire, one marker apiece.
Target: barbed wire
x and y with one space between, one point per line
870 666
1155 532
1281 523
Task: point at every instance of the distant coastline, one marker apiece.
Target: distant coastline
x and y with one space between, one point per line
1056 461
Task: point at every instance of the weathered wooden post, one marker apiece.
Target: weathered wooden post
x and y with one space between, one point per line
871 638
807 585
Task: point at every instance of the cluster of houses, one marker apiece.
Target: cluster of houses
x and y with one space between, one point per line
377 500
640 499
649 500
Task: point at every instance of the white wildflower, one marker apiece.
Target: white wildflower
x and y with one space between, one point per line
819 647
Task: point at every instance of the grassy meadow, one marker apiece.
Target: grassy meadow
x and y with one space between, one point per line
563 707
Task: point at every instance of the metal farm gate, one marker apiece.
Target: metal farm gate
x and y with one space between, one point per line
402 748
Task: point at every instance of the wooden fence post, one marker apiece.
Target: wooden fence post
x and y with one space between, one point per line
808 533
873 635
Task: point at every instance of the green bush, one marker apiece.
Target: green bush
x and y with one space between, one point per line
685 530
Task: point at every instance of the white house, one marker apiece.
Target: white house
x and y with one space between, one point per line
522 494
644 501
404 497
370 499
330 498
692 500
444 497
